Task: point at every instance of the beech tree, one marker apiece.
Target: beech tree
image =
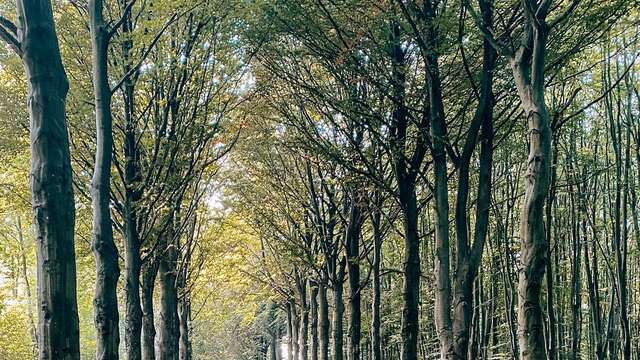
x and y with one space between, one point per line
34 40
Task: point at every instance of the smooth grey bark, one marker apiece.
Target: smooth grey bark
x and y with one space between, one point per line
105 300
147 286
35 41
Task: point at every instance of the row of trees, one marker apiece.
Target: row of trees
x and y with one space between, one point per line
409 179
149 117
387 160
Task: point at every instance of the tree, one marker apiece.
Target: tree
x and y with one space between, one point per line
34 40
104 248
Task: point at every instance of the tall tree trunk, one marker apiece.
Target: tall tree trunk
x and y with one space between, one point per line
27 284
314 322
303 333
289 309
132 264
295 334
184 312
352 248
323 321
273 347
133 193
528 66
594 299
105 252
147 285
407 198
35 40
376 348
442 306
620 219
551 339
469 256
576 251
169 324
338 312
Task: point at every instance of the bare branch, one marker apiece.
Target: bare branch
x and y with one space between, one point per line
11 40
125 14
565 14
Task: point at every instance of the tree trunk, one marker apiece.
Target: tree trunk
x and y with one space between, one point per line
314 322
169 324
131 238
105 252
528 65
132 268
295 328
376 349
303 333
149 274
407 198
338 312
352 248
273 347
323 322
184 312
551 342
290 330
533 242
469 256
27 284
51 181
442 307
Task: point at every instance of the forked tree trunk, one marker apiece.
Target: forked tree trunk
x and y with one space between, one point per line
469 255
442 306
105 252
35 40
